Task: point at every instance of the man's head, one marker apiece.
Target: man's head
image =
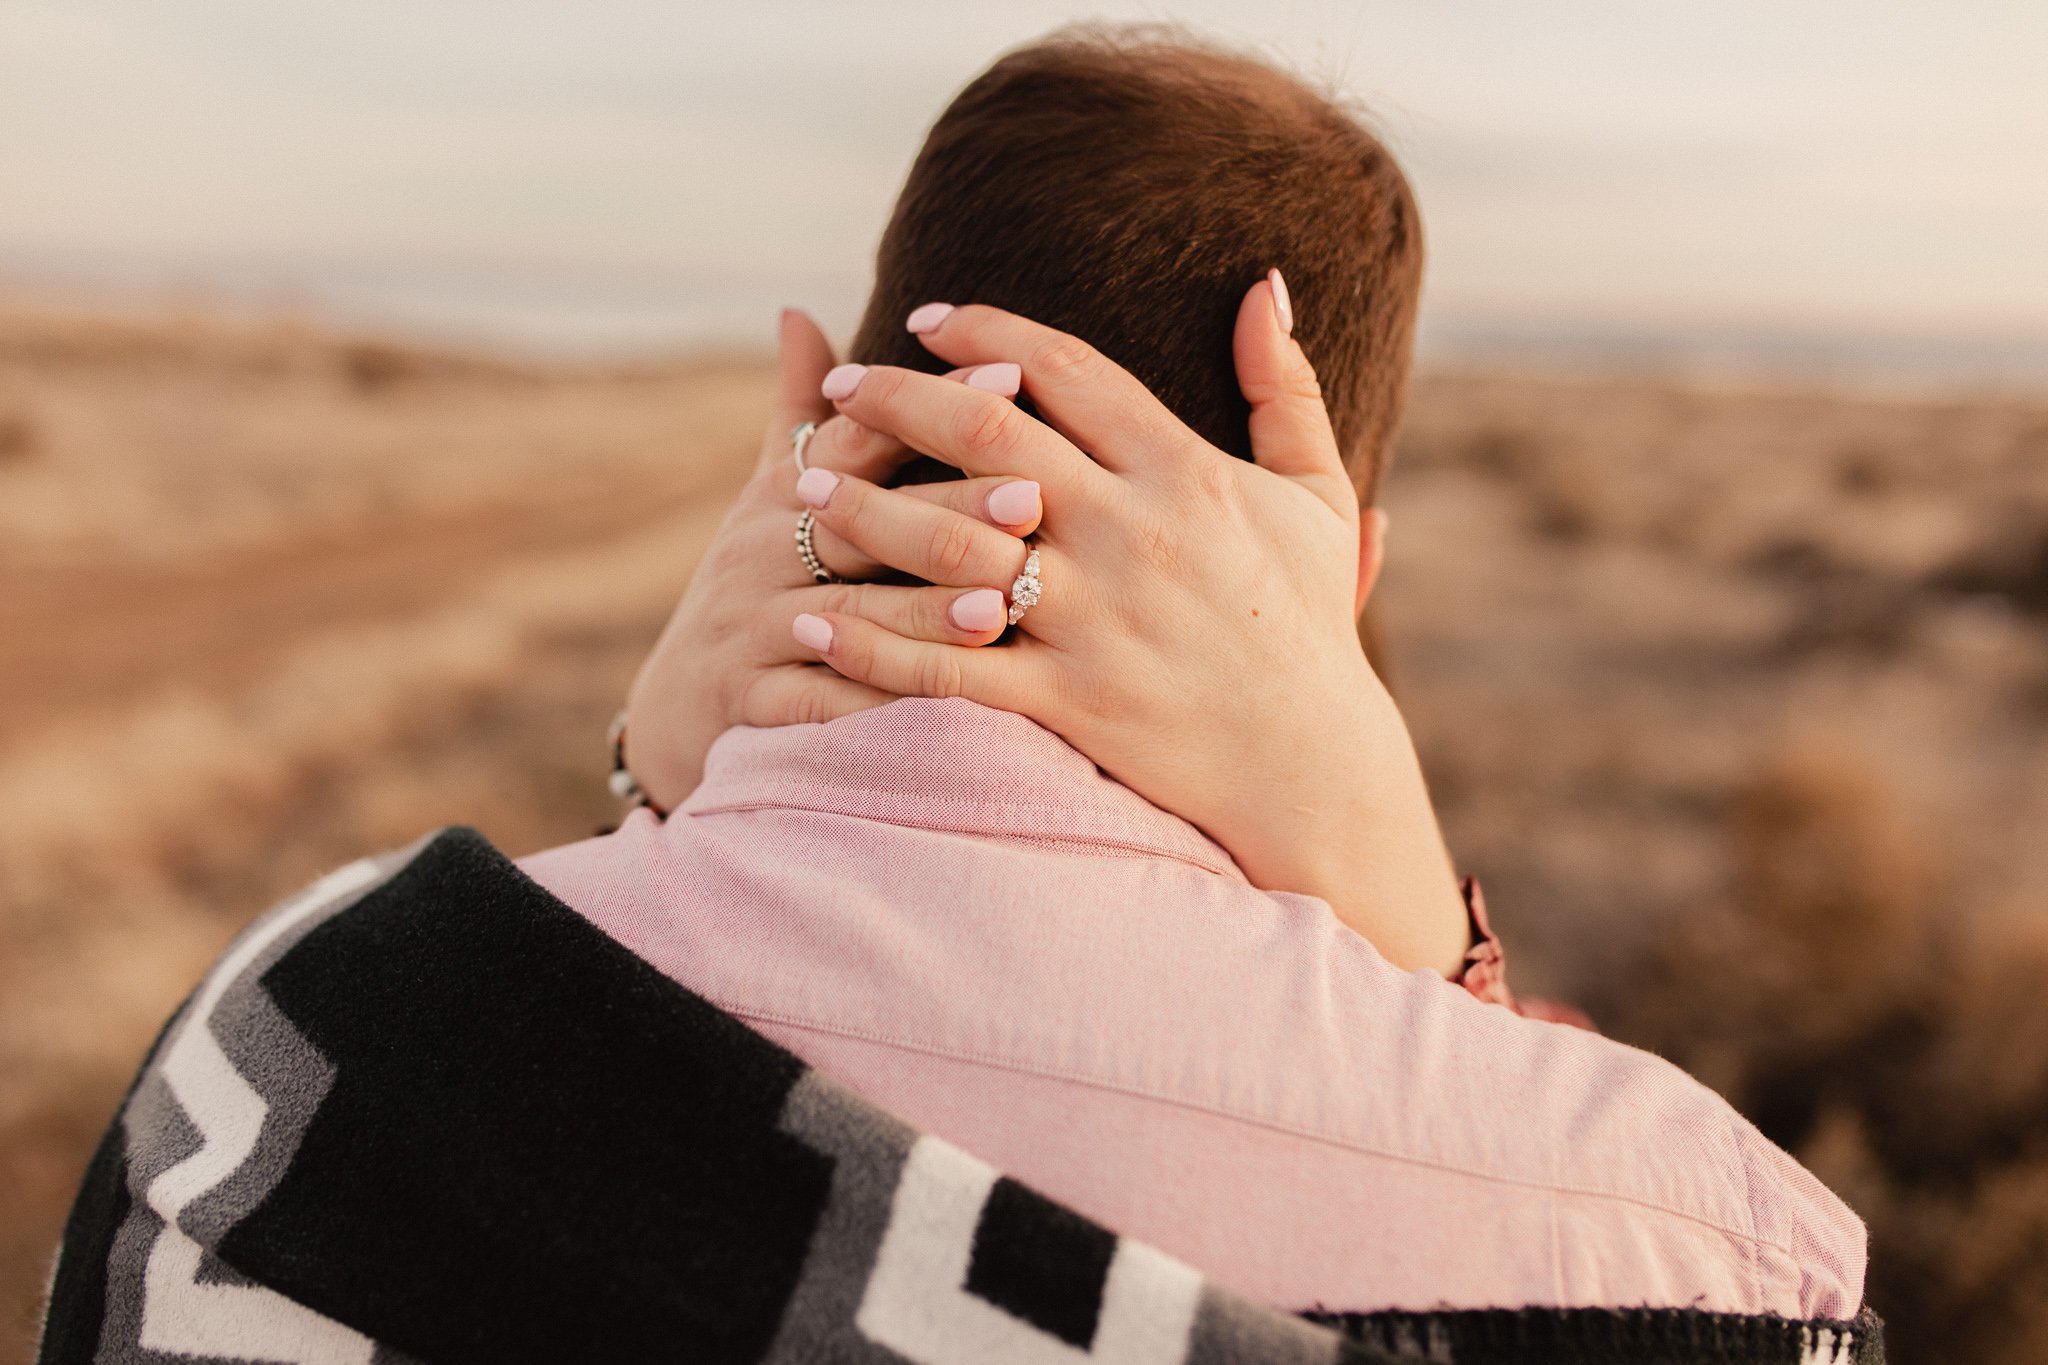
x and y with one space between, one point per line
1127 187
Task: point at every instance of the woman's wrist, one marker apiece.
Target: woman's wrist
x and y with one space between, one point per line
1363 836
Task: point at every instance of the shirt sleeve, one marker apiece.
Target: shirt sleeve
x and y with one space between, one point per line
1485 973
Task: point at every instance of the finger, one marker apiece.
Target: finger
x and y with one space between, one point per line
947 616
804 358
845 445
805 694
1013 506
911 535
972 426
1290 426
866 653
1089 398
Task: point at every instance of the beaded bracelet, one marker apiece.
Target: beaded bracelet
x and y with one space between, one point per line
624 785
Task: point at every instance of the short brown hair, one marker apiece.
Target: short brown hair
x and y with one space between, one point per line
1127 186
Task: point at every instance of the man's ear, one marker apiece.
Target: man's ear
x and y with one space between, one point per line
1372 553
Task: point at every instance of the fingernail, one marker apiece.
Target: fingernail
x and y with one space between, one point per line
812 632
1001 377
1380 519
816 486
842 381
982 609
1015 504
1283 307
927 317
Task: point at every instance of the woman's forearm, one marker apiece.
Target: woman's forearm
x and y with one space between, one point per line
1360 833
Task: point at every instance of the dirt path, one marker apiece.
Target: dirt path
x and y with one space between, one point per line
77 642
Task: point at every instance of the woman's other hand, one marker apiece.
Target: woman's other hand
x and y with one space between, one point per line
1198 633
727 656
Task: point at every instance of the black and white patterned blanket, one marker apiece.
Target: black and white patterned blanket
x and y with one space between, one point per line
426 1112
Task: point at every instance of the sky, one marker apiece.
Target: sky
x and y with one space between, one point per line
623 174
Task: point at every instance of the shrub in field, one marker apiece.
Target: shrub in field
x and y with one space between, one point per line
1897 1046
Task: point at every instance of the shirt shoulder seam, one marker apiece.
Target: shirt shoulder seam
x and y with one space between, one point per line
1751 1238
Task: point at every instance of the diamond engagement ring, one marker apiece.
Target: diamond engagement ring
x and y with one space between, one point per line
1025 592
800 436
806 524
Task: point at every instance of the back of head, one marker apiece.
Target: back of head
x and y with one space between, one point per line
1128 186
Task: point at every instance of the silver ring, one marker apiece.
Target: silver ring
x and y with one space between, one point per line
806 523
800 436
1025 592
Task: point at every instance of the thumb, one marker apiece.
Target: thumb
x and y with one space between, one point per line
802 358
1290 427
805 358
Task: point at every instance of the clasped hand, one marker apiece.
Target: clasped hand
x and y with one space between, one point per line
1197 637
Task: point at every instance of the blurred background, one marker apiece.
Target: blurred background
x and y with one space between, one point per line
372 376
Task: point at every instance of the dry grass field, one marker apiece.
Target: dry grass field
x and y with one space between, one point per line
1738 700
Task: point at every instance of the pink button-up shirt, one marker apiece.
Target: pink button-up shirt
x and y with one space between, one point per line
960 917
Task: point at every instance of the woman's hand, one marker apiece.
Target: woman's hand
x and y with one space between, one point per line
1198 633
727 657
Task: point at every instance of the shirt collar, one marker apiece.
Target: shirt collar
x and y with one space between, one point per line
947 765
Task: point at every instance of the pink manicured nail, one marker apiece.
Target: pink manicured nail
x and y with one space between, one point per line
982 609
1283 307
1015 504
816 486
1001 377
927 317
812 632
842 381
